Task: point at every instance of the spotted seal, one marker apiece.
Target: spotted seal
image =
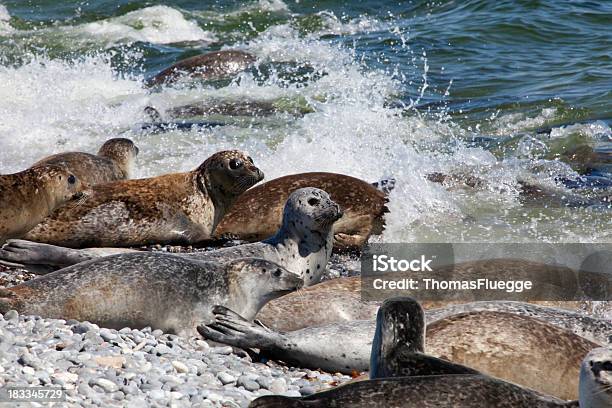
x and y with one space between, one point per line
257 213
29 196
303 243
485 340
162 291
213 65
113 162
173 208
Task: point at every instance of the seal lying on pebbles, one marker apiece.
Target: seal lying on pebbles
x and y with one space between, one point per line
257 213
397 352
113 162
499 344
340 300
435 391
27 197
213 65
173 208
163 291
596 379
303 244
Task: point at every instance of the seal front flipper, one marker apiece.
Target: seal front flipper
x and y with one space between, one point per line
232 329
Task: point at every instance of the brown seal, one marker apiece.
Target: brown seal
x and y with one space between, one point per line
213 65
113 162
257 213
173 208
27 197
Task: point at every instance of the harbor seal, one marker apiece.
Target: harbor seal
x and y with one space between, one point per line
27 197
434 391
113 162
173 208
596 379
340 300
499 344
257 213
397 352
162 291
213 65
303 243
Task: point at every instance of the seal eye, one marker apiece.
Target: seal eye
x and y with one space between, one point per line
607 366
71 179
235 164
313 201
278 273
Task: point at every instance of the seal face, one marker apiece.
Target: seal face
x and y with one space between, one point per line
144 289
213 65
596 379
26 198
257 214
113 162
174 208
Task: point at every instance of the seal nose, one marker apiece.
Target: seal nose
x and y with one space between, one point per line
260 174
339 212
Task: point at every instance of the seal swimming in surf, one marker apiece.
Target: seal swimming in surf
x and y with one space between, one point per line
162 291
29 196
113 162
173 208
258 212
213 65
303 243
497 343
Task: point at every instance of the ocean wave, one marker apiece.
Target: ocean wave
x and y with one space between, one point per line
5 17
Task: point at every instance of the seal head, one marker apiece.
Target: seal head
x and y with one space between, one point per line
26 198
596 379
253 282
224 176
399 343
121 152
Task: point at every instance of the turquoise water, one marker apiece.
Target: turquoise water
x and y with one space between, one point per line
509 92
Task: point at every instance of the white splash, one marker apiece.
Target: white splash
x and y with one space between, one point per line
5 17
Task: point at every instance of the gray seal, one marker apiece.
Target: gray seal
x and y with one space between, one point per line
497 343
596 379
162 291
114 161
303 244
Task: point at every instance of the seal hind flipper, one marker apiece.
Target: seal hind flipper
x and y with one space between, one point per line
231 328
